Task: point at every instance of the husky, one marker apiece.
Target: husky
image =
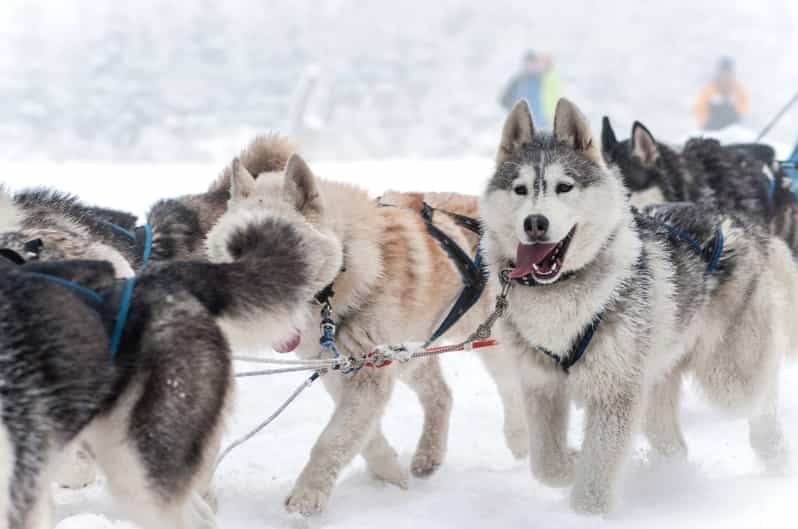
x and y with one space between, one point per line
153 413
47 224
71 229
610 308
735 178
396 284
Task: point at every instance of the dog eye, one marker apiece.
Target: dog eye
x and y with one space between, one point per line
563 188
520 190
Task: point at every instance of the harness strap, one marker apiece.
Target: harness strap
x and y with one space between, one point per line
579 347
80 289
472 272
121 316
142 237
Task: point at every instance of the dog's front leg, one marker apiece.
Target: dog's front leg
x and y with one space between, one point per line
547 409
359 407
609 424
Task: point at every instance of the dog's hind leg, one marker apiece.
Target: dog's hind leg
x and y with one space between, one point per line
41 514
503 368
427 381
359 408
662 425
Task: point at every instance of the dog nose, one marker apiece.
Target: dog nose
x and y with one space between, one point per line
536 226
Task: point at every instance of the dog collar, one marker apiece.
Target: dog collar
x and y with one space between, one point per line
529 279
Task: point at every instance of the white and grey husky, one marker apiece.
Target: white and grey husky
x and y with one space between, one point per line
396 285
611 307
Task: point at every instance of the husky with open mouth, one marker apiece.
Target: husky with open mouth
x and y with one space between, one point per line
611 307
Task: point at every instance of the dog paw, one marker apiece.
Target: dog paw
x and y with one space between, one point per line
307 501
517 440
425 464
392 473
557 470
591 500
76 471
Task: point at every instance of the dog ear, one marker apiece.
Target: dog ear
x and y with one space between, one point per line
608 139
571 127
242 183
300 187
643 144
518 130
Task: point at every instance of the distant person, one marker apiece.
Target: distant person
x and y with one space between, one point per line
722 102
539 83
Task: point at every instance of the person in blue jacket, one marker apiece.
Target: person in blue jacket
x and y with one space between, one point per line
527 84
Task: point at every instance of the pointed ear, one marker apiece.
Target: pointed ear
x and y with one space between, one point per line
571 127
518 130
643 144
242 183
608 139
300 187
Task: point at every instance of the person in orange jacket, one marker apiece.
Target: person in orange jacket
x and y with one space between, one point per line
722 102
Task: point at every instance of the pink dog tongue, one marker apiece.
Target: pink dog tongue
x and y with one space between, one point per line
290 345
529 255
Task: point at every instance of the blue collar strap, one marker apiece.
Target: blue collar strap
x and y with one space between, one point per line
142 236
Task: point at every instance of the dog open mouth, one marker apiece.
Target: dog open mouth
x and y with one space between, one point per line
542 260
289 345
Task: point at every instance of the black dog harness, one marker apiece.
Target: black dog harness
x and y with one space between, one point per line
472 271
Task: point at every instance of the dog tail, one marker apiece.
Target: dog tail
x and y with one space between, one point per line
267 153
785 272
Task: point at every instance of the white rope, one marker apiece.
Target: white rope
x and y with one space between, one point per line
265 372
305 385
323 362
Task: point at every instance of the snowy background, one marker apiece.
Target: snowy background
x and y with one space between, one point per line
126 104
157 80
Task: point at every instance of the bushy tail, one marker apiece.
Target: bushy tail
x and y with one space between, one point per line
785 272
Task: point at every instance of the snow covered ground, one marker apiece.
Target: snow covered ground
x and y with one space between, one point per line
480 485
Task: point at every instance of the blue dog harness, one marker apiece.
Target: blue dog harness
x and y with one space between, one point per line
712 252
126 285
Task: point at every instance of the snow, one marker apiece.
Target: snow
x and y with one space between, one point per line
111 80
480 485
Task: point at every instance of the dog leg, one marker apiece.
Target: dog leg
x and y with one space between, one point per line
662 425
383 462
547 409
765 431
76 468
436 399
609 427
41 515
358 410
503 368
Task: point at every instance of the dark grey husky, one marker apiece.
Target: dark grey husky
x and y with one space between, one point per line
151 408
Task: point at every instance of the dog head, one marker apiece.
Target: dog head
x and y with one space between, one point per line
638 159
552 202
